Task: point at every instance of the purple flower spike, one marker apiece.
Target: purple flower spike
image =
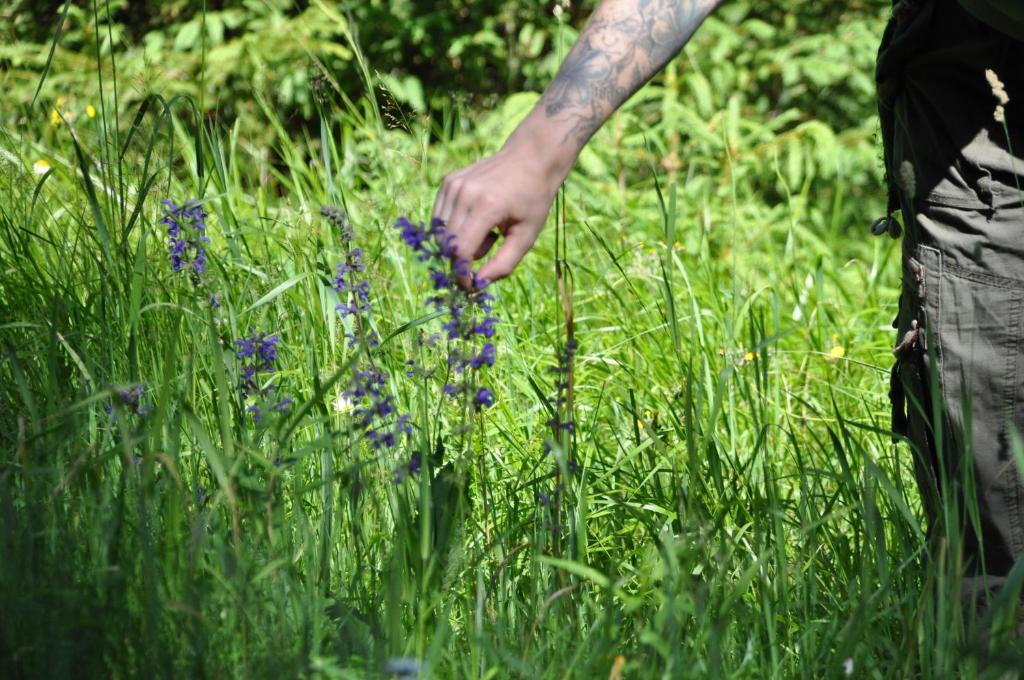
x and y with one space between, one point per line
467 313
355 292
260 348
258 354
186 236
375 412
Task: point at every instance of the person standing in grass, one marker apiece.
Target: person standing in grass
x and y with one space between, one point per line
947 75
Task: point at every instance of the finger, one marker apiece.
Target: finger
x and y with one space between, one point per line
470 233
444 203
488 243
515 246
471 224
439 201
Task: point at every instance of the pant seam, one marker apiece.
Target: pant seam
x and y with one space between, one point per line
1013 368
984 278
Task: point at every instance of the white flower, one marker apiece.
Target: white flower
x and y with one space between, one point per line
848 667
41 167
343 404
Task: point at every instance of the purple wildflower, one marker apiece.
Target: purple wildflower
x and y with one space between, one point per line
372 339
186 236
355 292
131 400
486 356
440 280
483 399
467 314
418 238
563 421
408 469
374 410
258 353
486 327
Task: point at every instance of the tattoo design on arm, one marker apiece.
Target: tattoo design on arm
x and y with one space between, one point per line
623 45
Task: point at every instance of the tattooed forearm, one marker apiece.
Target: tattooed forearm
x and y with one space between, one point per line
625 43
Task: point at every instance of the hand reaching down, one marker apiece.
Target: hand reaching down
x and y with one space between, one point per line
507 196
510 193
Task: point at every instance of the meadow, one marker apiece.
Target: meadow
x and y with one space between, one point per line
237 439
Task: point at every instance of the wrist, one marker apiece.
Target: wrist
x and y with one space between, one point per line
541 140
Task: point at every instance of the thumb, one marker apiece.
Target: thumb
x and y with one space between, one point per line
517 243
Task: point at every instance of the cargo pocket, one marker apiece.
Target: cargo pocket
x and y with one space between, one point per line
970 325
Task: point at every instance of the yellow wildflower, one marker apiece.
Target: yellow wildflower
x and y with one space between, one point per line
748 357
41 166
90 110
836 353
55 118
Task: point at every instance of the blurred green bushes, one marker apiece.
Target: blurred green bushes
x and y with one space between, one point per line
426 54
780 93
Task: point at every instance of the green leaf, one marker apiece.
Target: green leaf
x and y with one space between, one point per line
277 291
187 36
575 568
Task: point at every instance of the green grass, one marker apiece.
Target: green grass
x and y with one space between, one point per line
735 507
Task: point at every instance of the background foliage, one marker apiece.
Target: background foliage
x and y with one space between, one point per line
424 53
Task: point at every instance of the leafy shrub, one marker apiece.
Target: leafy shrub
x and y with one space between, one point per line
425 54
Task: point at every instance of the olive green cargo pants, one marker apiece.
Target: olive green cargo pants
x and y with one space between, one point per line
958 383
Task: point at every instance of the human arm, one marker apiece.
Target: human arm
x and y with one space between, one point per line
624 44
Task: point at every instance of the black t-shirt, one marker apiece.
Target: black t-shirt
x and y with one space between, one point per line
1003 15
